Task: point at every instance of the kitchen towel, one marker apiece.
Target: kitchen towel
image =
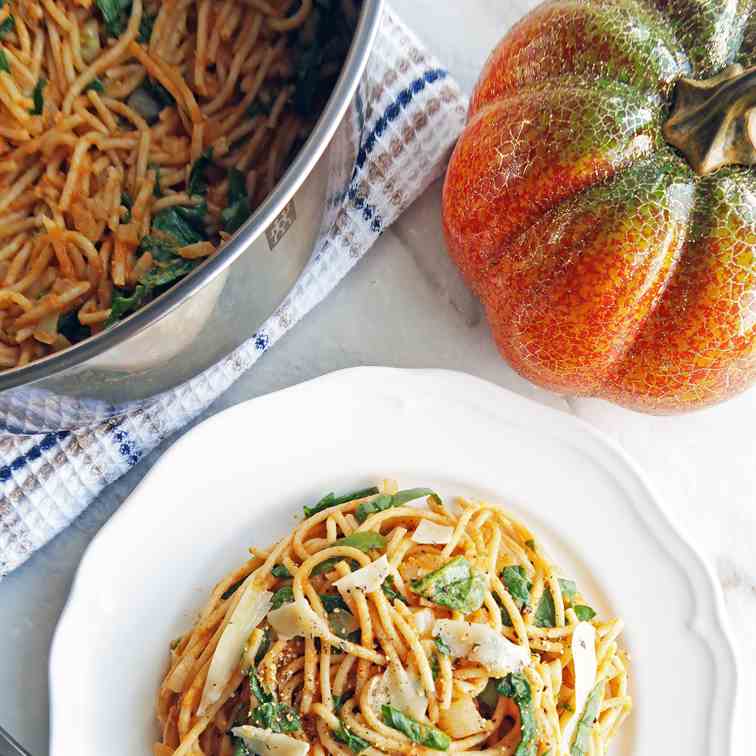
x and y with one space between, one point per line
413 112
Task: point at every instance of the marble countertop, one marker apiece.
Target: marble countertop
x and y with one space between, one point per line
405 306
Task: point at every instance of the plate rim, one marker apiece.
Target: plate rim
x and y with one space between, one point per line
707 619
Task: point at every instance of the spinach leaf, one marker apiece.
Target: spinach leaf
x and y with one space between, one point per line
545 615
114 15
422 734
268 714
389 589
238 209
240 748
38 97
232 589
364 540
277 717
343 623
95 85
280 571
339 701
146 25
489 696
435 666
328 564
257 689
581 742
331 602
282 596
184 224
455 585
331 500
123 302
584 613
264 646
516 581
198 183
158 93
517 688
128 203
7 25
568 588
442 645
71 328
353 742
382 503
4 66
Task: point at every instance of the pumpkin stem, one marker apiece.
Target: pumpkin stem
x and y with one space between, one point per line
713 121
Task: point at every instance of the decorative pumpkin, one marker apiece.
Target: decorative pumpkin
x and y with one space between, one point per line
601 201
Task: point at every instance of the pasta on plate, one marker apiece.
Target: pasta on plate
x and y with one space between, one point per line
391 622
135 137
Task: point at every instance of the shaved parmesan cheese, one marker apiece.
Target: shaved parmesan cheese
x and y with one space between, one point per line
298 618
367 579
268 743
423 619
585 666
462 719
482 644
431 532
402 690
248 614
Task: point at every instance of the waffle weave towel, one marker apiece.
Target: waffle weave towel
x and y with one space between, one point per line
411 115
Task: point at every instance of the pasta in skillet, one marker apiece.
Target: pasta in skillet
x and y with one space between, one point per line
381 626
135 137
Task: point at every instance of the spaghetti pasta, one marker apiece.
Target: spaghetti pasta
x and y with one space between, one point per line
135 137
392 622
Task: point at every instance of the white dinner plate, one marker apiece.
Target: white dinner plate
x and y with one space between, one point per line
241 478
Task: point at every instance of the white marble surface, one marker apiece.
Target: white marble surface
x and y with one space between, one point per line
405 306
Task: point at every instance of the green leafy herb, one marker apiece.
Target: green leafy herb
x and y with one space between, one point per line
353 742
185 224
257 689
342 623
568 588
442 645
326 565
238 209
158 93
268 714
282 596
240 748
389 589
95 85
146 26
231 590
455 585
435 666
364 540
38 97
422 734
280 571
331 602
7 25
516 581
382 503
530 543
264 646
581 742
545 615
198 182
489 696
331 500
517 688
70 327
339 701
125 302
584 613
277 717
114 14
128 203
4 62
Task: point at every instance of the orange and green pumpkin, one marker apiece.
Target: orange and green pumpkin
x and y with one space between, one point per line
602 204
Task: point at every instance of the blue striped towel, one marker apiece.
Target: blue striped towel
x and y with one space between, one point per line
413 112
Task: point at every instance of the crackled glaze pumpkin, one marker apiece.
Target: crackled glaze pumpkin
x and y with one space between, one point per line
602 204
